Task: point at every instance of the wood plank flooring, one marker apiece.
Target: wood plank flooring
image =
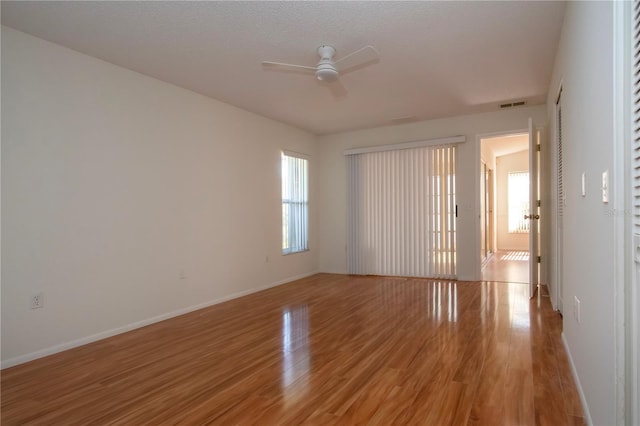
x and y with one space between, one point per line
329 349
507 266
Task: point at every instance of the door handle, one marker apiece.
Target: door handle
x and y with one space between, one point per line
532 216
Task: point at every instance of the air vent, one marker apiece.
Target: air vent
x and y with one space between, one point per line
513 104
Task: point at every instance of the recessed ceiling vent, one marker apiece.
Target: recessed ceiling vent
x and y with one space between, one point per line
513 104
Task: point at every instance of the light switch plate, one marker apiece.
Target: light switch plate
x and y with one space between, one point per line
605 186
584 186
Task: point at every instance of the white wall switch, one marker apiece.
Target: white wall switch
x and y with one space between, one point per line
605 186
584 186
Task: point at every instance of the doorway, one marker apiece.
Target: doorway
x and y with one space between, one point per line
504 203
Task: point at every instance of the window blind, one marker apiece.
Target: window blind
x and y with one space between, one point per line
401 206
295 204
518 201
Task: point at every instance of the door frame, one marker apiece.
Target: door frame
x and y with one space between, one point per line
626 279
557 243
541 193
534 208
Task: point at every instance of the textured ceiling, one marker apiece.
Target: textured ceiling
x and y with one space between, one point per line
437 59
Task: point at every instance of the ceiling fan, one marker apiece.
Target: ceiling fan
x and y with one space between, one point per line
327 69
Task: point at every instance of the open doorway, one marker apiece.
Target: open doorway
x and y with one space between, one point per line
504 202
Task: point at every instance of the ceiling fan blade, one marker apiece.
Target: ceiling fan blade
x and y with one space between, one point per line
280 64
337 89
365 54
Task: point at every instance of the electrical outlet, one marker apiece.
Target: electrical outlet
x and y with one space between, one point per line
183 274
37 301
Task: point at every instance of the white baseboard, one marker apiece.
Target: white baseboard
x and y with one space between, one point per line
334 272
138 324
574 373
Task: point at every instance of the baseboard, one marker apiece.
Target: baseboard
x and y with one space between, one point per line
574 373
327 271
138 324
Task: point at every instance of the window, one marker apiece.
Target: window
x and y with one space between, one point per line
295 204
518 199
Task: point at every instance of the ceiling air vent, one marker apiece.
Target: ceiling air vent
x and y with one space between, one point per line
513 104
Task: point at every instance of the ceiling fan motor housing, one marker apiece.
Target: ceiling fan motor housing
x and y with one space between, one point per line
326 52
326 70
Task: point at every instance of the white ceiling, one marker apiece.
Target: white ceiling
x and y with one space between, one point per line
437 59
505 145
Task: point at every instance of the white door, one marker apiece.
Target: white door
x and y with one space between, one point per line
534 214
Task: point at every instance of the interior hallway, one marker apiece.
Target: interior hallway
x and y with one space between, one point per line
506 266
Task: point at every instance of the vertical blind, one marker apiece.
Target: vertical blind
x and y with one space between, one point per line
402 212
518 201
295 204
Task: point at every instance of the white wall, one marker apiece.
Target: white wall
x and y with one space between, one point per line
112 182
584 65
332 200
518 162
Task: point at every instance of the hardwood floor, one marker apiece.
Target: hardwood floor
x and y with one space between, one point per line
329 349
507 266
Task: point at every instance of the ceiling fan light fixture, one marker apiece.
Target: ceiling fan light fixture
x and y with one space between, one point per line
327 74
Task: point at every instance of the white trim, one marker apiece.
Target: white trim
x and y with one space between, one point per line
491 135
559 91
406 145
574 373
138 324
626 308
620 249
333 272
295 154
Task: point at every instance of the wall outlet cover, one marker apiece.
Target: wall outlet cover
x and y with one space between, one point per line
37 301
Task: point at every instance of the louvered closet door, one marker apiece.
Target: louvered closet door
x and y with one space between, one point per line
402 212
634 318
635 119
559 207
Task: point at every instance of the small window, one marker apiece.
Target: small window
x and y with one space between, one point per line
518 199
295 204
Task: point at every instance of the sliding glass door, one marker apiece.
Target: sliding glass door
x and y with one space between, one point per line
402 212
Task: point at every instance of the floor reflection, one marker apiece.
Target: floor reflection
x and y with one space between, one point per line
413 299
295 349
507 266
